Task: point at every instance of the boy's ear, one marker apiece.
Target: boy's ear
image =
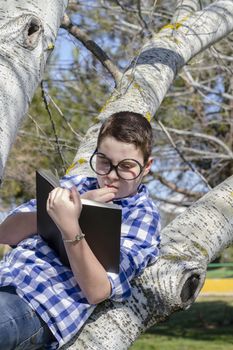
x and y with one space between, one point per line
148 166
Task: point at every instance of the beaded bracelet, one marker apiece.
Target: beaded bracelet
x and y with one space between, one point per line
77 238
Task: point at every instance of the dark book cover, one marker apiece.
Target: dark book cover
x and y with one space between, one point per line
100 222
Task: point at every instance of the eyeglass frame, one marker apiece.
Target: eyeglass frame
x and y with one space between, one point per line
142 167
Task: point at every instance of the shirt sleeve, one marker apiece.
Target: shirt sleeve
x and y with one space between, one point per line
139 247
82 184
67 181
27 207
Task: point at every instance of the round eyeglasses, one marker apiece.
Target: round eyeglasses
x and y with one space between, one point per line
126 169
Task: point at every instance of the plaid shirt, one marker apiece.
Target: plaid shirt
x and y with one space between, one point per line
50 288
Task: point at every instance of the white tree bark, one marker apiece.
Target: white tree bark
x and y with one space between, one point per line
147 79
184 9
27 34
189 243
193 239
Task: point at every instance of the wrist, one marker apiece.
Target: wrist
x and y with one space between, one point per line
70 228
76 238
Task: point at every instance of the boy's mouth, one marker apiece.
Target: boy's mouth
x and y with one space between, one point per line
111 186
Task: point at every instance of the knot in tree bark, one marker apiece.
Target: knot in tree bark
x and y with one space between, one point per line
32 32
189 288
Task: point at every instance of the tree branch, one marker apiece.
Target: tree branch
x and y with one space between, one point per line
199 135
92 47
219 55
185 8
199 86
177 189
188 244
191 166
141 16
125 8
57 143
177 203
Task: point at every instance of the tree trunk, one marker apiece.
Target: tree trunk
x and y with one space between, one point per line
189 243
196 237
27 34
193 239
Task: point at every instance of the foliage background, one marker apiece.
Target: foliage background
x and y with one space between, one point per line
206 325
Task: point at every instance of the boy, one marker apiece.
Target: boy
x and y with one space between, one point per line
50 301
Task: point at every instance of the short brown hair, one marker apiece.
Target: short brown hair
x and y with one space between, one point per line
129 127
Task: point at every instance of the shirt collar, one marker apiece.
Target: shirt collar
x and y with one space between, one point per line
131 200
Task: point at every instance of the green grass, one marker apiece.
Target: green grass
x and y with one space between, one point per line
220 272
207 325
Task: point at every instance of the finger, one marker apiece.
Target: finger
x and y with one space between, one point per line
63 195
48 204
74 195
51 197
106 190
104 196
107 197
78 199
103 192
55 195
100 194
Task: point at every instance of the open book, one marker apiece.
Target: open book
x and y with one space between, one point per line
100 222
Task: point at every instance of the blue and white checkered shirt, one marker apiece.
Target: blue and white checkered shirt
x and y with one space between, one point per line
50 288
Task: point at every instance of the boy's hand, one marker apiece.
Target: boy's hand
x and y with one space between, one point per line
103 195
64 207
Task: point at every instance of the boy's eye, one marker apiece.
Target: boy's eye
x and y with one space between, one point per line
103 161
127 165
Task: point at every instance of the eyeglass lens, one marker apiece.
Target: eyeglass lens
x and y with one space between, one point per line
127 169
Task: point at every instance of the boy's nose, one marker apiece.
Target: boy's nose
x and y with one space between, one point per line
113 174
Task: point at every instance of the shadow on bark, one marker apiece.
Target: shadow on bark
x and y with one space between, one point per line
158 55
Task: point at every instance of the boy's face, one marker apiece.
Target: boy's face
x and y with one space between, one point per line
117 151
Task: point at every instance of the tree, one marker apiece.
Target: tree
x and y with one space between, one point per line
28 32
194 238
